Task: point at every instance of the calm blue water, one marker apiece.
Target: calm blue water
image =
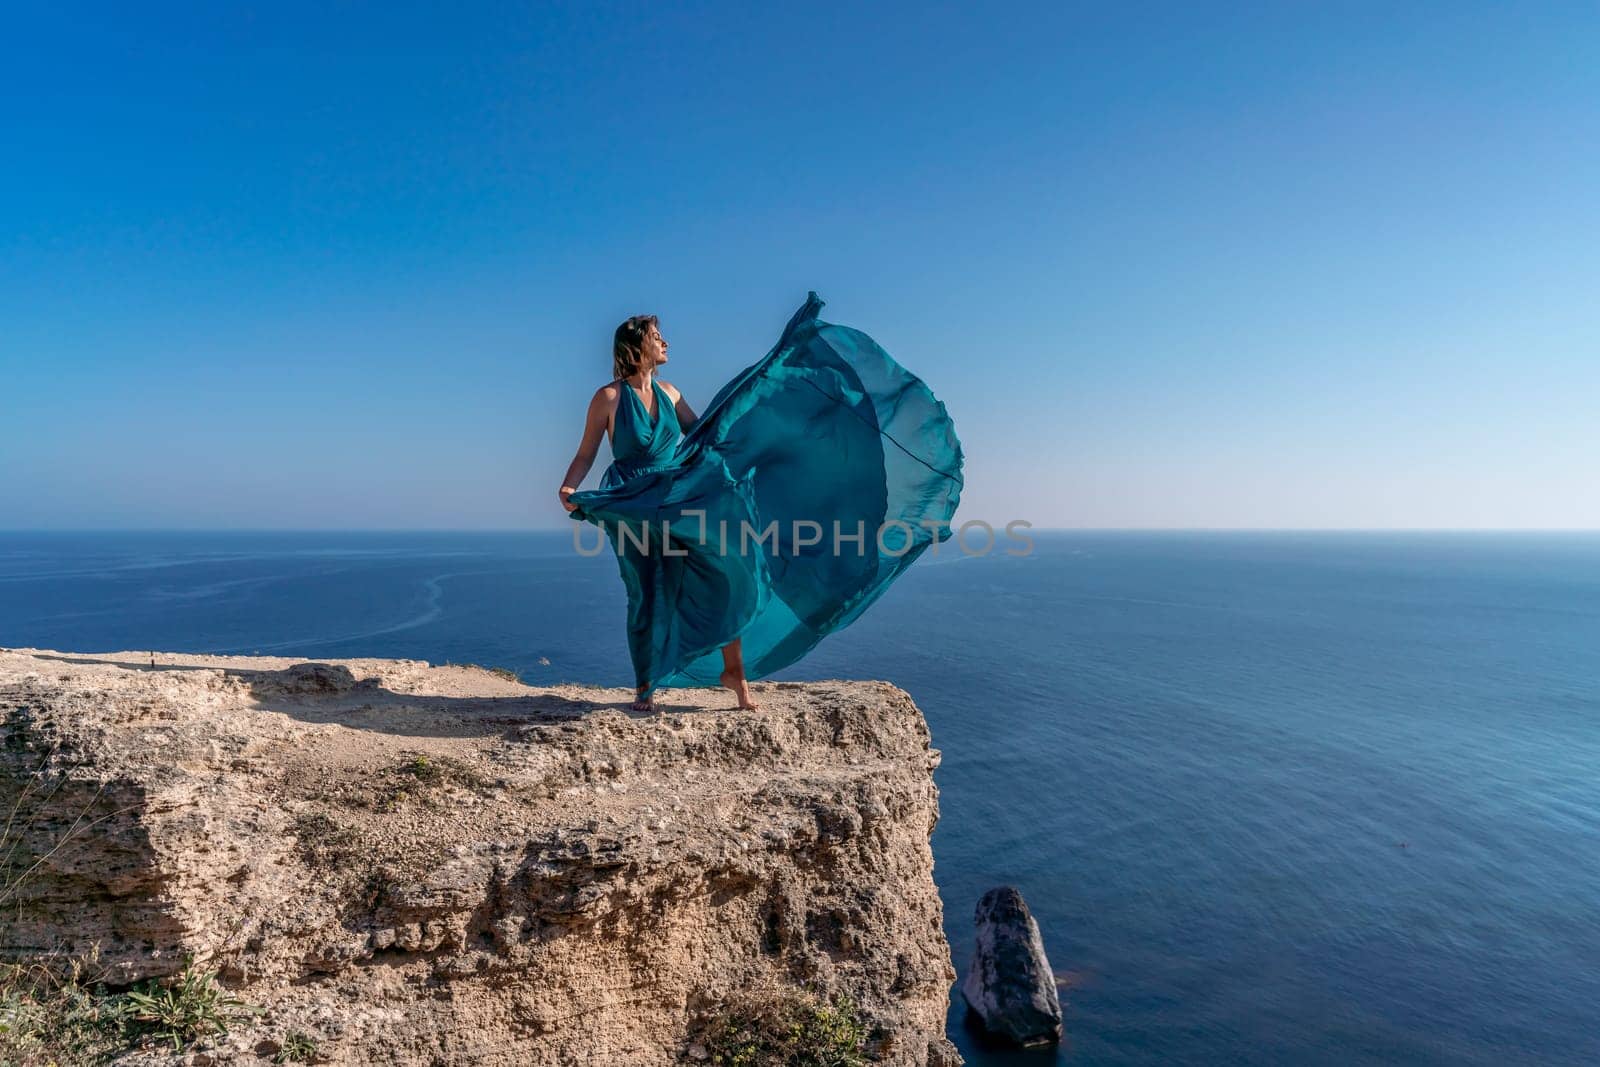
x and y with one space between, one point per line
1197 754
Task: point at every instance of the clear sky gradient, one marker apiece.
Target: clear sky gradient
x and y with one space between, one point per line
1200 265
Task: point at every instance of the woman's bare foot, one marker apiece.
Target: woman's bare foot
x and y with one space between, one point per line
733 673
644 703
735 680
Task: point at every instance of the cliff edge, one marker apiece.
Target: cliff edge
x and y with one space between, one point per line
408 864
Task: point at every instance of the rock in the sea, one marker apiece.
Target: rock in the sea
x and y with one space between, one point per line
1010 986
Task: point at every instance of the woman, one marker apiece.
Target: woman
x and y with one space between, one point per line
826 434
637 351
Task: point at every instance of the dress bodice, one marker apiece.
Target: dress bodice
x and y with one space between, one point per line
637 440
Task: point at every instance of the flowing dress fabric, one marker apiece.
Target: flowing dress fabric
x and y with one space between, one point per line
814 478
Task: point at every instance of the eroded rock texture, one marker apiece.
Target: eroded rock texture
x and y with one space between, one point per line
1010 986
434 865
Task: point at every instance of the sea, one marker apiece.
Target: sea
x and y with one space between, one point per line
1273 798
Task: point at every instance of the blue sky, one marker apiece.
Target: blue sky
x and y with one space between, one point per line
357 265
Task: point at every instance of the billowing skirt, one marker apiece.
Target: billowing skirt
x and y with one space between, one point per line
813 479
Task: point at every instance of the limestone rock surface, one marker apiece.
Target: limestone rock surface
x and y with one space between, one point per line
420 865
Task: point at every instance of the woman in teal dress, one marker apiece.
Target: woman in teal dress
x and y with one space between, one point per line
747 534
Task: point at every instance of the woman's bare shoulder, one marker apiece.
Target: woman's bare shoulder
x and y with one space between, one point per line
672 390
607 393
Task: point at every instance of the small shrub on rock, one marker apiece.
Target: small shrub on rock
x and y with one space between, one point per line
774 1027
58 1018
188 1008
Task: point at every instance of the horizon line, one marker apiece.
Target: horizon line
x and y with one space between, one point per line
558 529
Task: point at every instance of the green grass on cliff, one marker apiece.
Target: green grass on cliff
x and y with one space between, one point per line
775 1027
51 1018
54 1021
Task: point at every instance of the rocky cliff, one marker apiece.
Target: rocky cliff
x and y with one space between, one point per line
409 864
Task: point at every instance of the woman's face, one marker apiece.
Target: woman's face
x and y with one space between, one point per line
654 347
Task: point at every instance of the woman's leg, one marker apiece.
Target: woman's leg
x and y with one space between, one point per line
640 576
733 673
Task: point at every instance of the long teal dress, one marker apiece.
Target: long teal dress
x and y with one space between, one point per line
826 429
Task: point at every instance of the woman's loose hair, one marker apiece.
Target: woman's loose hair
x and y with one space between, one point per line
627 351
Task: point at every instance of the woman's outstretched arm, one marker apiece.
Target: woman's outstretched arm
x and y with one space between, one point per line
601 405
